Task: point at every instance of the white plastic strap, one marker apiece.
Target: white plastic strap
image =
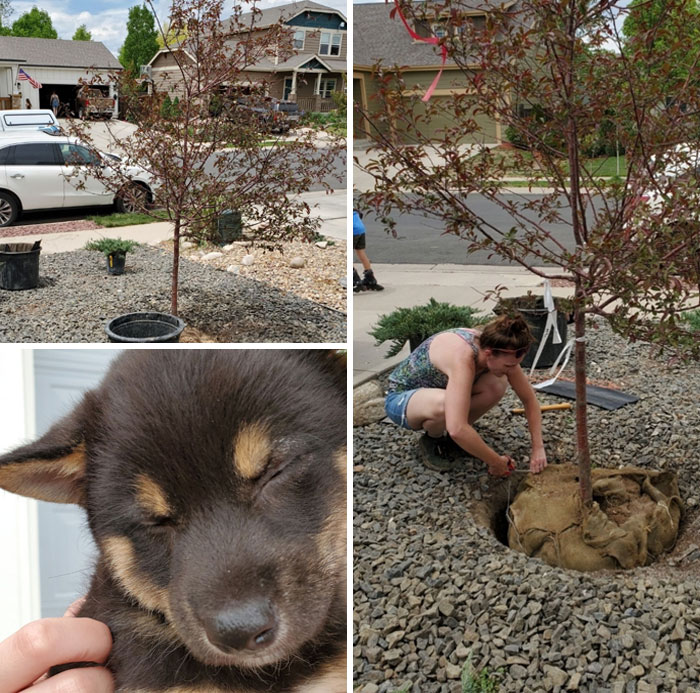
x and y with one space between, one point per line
550 325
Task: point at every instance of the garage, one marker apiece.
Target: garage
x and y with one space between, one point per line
57 65
66 95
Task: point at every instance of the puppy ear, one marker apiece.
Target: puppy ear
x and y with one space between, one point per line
335 363
53 467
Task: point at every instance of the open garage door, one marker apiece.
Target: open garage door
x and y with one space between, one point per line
66 95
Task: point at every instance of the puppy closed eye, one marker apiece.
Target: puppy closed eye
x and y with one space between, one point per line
283 467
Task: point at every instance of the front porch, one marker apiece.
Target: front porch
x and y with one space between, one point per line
316 104
312 85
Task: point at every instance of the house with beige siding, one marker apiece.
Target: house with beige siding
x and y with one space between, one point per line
316 70
382 41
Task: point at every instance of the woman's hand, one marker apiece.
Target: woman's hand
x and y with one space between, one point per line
28 654
538 460
503 467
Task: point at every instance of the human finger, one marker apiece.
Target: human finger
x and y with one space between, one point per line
39 645
75 607
85 680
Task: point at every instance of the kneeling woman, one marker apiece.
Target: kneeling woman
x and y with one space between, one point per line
453 378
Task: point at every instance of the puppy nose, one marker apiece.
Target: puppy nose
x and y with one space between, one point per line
249 625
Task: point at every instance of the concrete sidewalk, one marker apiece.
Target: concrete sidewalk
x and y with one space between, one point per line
332 209
411 285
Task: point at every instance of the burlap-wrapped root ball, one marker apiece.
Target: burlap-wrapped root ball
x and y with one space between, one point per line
634 518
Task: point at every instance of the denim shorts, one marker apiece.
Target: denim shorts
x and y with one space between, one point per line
395 407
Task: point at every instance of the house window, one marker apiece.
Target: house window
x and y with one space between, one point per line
326 87
288 81
330 43
439 30
298 41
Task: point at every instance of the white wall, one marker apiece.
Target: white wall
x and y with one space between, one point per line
19 566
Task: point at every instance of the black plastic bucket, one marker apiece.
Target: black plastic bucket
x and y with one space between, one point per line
537 319
116 262
145 327
19 265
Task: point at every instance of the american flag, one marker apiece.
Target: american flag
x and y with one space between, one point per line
22 75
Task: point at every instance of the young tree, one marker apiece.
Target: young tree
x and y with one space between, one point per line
35 23
82 34
141 42
204 165
539 68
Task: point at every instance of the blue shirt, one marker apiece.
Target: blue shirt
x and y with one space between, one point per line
358 228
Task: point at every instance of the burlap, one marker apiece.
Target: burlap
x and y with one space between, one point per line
634 518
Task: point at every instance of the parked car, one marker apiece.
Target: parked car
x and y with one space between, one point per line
676 165
274 115
39 170
27 119
91 102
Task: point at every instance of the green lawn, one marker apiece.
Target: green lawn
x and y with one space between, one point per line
602 166
128 219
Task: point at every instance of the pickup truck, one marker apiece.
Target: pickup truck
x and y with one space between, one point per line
92 103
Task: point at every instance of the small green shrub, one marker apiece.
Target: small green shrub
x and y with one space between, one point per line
481 682
420 322
692 317
111 246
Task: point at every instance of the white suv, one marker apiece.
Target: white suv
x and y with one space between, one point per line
40 170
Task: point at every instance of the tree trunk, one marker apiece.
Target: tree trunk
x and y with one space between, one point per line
584 455
176 265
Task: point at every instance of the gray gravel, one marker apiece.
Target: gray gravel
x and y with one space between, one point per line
431 586
76 297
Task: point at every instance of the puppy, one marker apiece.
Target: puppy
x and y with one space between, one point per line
214 484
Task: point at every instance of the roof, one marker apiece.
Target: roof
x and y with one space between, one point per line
378 37
267 65
57 53
272 15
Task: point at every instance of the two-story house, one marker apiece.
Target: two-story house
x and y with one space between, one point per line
382 40
310 76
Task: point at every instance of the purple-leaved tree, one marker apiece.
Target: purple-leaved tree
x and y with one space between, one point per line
205 150
565 86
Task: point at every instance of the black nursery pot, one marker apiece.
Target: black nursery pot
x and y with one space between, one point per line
537 319
116 262
145 327
19 265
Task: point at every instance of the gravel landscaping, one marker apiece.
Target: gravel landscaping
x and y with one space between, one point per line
433 588
76 297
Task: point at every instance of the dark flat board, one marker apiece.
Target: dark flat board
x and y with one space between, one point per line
602 397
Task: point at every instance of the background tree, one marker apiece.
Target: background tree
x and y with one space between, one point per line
168 37
5 14
542 73
35 23
82 34
204 165
647 28
141 42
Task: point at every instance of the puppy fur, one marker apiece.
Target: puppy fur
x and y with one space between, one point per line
215 488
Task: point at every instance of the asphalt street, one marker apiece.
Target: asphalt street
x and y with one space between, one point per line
422 240
336 179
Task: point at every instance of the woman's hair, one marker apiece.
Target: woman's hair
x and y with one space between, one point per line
509 332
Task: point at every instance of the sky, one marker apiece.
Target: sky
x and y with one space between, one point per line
106 19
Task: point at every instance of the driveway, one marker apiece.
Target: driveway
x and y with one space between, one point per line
106 134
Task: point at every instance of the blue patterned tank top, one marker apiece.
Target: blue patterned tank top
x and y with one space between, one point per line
417 371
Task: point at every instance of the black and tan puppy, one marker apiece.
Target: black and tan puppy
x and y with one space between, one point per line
214 484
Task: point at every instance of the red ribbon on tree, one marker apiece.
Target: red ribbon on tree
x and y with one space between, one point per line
434 40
